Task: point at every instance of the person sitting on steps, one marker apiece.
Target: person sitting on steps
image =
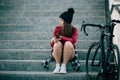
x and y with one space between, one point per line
63 41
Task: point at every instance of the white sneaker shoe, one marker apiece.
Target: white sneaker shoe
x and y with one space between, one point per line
63 69
57 69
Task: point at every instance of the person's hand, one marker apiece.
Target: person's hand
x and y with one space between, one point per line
57 39
52 40
57 36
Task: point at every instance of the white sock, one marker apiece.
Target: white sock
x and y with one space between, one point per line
57 64
63 65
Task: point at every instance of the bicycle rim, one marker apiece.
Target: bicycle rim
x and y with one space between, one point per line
93 61
113 64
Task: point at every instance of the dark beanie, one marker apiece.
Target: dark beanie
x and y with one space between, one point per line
67 16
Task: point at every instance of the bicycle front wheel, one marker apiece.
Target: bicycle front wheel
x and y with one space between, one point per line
93 61
113 63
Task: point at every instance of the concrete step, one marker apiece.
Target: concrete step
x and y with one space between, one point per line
37 65
38 44
49 13
30 75
50 6
42 29
47 4
24 54
32 60
32 12
33 54
26 27
43 35
33 65
48 22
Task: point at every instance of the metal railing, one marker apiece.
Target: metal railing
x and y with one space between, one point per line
115 6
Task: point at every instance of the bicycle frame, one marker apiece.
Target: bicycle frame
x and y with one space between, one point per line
103 66
110 36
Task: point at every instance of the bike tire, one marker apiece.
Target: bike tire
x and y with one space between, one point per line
93 61
114 63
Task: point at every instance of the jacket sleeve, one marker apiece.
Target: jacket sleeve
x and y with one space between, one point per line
73 38
56 31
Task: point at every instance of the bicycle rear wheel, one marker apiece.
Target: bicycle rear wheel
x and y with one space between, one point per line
93 61
113 63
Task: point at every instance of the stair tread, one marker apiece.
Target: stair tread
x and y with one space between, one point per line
38 72
47 73
81 61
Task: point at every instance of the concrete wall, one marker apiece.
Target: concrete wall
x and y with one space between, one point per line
116 15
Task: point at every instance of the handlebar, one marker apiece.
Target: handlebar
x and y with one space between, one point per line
93 25
112 23
83 27
117 21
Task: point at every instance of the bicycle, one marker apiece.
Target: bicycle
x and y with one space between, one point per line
103 59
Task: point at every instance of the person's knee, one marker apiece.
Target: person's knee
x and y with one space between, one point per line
57 45
68 44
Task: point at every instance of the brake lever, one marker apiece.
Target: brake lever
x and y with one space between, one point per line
84 28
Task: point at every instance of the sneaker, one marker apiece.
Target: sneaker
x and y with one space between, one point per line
57 69
63 69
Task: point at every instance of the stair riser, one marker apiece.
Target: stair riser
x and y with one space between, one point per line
39 44
49 14
35 28
40 76
8 5
32 55
47 22
37 66
42 35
